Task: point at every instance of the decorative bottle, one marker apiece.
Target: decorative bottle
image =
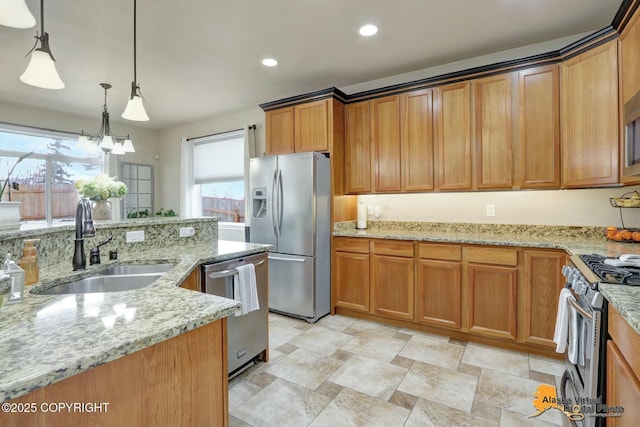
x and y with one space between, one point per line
17 279
29 262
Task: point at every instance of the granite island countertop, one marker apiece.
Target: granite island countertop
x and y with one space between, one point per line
47 338
573 240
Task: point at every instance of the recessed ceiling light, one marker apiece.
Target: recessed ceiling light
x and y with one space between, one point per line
368 30
269 62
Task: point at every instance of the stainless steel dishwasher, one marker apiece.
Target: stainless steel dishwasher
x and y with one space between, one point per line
246 335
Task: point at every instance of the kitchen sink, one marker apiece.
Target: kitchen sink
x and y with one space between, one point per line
112 279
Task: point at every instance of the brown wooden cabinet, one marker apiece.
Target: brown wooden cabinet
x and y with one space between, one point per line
416 116
439 285
279 131
385 143
539 127
623 370
357 148
491 287
452 118
589 114
350 273
543 282
629 65
192 282
493 152
392 283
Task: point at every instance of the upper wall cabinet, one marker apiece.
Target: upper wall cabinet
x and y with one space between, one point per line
357 148
279 131
493 158
630 86
452 118
385 143
589 117
539 127
416 138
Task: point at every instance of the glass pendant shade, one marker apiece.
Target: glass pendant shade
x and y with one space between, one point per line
83 142
16 14
107 143
41 71
118 149
135 110
128 146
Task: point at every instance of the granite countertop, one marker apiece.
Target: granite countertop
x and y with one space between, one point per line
573 240
47 338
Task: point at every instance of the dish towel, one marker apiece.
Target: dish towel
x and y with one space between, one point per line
245 289
561 334
575 353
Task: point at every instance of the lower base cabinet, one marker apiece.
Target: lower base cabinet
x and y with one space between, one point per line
350 274
392 286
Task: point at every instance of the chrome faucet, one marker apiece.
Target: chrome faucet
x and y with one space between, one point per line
84 228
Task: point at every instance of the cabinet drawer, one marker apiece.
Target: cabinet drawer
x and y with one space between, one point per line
625 338
443 252
348 244
390 247
484 255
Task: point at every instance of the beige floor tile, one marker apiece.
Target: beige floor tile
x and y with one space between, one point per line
362 325
337 322
241 390
542 378
415 332
546 365
369 376
435 352
351 408
234 422
329 389
279 320
432 414
281 403
403 362
507 361
321 340
512 393
304 367
446 386
374 346
469 369
512 419
404 400
486 412
279 335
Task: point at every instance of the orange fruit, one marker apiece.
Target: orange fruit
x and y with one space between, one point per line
626 234
618 236
611 234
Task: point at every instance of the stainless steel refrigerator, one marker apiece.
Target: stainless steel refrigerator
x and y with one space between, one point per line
290 209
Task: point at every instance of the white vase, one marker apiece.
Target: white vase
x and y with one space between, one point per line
102 210
9 215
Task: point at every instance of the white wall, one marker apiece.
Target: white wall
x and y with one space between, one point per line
589 207
169 177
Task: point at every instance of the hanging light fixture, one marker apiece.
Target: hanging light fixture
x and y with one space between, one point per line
104 139
135 109
16 14
41 71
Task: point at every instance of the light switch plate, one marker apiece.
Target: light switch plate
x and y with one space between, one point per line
187 231
491 210
135 236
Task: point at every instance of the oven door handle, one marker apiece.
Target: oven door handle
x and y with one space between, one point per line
580 310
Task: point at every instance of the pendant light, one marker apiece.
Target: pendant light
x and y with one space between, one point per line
41 71
104 139
135 109
16 14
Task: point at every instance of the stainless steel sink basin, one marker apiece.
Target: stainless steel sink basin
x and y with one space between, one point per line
112 279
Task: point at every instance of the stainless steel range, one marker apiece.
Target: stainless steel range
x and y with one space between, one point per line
583 381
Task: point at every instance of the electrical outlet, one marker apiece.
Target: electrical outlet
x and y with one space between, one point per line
187 231
135 236
491 210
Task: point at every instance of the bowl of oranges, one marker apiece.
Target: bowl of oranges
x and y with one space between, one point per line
623 234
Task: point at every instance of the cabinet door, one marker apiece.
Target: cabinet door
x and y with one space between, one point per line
589 113
385 141
357 148
623 388
416 116
542 284
438 293
630 58
494 167
312 126
279 128
192 282
392 286
351 280
539 127
492 301
452 117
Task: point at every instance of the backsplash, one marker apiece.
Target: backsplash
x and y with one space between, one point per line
519 229
56 243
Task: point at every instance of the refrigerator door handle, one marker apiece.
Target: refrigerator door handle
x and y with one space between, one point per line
278 258
280 199
273 203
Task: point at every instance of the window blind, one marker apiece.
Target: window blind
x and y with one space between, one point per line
219 158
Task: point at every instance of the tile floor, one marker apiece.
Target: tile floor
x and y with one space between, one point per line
343 371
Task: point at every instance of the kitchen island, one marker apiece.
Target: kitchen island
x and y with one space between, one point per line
131 349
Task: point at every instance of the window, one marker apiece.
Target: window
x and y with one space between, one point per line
138 202
217 184
45 180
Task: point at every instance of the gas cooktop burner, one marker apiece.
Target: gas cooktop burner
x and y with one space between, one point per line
609 274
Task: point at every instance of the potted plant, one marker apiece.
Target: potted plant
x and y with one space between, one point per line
9 210
100 189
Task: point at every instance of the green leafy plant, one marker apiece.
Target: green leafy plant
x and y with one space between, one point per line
6 181
101 187
162 212
138 214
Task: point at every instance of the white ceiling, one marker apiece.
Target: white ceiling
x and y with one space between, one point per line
201 58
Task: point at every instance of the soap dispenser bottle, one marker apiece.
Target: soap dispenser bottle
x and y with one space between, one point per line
16 275
29 262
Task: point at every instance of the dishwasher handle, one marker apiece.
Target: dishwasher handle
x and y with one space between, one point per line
229 272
